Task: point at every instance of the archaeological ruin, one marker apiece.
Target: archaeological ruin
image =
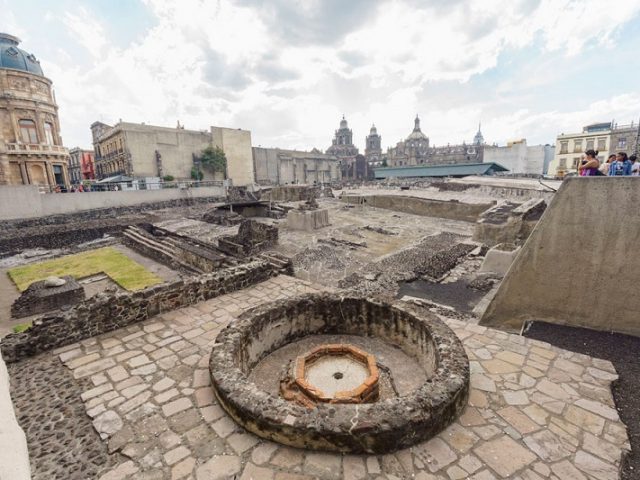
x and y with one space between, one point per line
383 330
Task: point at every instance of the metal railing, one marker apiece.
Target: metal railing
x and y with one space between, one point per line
128 186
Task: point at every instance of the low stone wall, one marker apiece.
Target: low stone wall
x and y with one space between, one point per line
26 201
109 311
252 237
509 222
308 220
58 231
40 298
453 210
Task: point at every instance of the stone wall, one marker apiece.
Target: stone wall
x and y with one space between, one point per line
110 311
26 202
509 222
252 237
41 298
451 209
579 266
57 231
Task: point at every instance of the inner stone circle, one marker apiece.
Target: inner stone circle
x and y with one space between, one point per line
334 373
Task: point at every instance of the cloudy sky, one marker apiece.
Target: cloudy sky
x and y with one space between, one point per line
288 69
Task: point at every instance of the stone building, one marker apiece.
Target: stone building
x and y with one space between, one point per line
31 150
143 151
373 148
520 158
274 166
416 150
342 145
605 137
81 165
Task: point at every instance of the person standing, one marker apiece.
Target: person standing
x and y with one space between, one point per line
621 167
604 168
635 166
590 164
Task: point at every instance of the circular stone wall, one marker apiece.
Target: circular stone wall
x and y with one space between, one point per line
378 427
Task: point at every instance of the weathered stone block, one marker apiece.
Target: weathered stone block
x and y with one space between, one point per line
41 298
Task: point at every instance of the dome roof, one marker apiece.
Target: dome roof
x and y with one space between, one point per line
343 122
417 133
374 130
15 58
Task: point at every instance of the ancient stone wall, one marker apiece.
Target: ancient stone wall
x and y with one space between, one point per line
57 231
452 209
109 311
251 238
40 298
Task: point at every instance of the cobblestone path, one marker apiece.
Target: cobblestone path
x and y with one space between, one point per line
535 411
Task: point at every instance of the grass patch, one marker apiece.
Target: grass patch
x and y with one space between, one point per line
21 327
121 269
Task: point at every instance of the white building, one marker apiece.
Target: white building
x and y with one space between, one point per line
520 158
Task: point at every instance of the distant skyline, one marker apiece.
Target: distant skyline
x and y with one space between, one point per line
289 70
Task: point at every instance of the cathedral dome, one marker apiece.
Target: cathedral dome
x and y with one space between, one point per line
373 131
417 133
15 58
343 122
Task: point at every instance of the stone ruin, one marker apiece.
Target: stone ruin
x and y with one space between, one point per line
49 294
252 237
360 375
509 222
308 216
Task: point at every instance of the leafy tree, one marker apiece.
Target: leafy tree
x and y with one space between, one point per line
384 162
168 178
196 174
214 159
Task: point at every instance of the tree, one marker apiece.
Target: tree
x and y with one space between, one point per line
384 162
214 159
168 178
196 174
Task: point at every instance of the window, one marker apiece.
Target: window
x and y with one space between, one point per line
590 143
622 142
563 163
564 147
28 132
577 146
48 133
576 162
602 144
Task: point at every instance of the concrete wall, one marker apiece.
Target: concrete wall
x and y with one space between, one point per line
520 158
275 166
236 144
26 201
580 264
14 456
421 206
176 147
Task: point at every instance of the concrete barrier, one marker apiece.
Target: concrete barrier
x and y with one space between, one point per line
14 456
26 201
450 209
580 264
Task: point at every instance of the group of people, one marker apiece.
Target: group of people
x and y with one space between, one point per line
617 165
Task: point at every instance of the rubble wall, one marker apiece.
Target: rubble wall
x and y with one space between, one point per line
453 210
579 266
26 202
106 312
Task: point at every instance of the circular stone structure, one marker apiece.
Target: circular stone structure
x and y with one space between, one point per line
373 426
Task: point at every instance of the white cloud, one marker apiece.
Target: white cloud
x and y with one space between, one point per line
276 69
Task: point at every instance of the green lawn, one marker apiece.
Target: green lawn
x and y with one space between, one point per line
121 269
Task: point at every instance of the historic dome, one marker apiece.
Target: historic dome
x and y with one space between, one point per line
374 130
343 123
417 133
15 58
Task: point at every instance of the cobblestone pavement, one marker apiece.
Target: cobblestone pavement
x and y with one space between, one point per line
61 439
535 411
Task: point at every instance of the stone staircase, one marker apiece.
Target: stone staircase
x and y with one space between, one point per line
160 249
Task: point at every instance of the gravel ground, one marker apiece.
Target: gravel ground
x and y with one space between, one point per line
621 350
61 439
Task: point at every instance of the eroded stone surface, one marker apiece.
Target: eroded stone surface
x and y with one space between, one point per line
585 440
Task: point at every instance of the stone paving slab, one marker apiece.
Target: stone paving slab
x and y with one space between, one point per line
535 411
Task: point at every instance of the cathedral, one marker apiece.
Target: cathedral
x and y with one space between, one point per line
415 149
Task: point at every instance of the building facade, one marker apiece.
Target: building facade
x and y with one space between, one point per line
31 150
148 151
274 166
373 148
416 150
520 158
342 145
81 165
606 138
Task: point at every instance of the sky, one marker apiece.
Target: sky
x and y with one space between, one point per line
289 69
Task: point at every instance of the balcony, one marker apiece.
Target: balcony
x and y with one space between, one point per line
35 149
